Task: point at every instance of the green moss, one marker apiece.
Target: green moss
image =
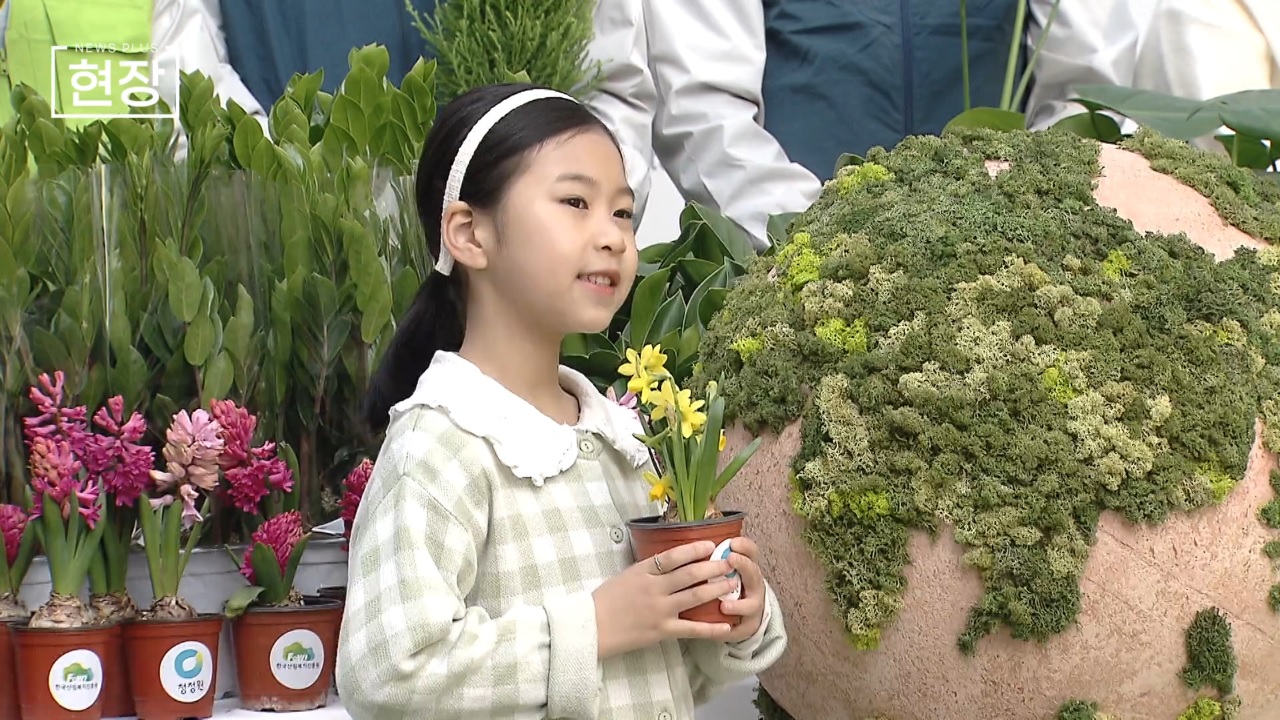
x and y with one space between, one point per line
1203 709
1272 549
1211 660
851 177
1081 710
1029 361
1273 597
1236 192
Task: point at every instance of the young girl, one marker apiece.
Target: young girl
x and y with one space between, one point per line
490 574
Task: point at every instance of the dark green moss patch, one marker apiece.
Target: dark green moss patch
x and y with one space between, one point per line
1211 660
996 354
1242 198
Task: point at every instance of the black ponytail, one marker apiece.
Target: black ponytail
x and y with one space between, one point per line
437 318
435 321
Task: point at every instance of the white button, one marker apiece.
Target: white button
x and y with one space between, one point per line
615 533
664 716
587 446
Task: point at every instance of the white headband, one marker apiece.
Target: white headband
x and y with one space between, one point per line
444 264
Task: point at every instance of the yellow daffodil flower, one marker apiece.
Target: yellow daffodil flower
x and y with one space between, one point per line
645 369
683 408
723 440
659 487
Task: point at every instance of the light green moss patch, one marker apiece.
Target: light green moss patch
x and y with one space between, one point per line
1000 355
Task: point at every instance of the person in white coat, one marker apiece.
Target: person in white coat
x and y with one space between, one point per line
682 84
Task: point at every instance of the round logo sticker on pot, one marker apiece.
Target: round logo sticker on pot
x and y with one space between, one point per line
722 553
186 671
297 659
75 680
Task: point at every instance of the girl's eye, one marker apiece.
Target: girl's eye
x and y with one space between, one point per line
624 214
575 202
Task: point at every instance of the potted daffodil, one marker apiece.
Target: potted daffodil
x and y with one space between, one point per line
686 439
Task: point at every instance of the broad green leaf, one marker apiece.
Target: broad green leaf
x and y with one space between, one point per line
50 353
1166 114
779 224
199 341
644 305
988 118
240 601
844 161
239 331
1248 112
217 378
248 136
696 270
669 319
730 238
1096 125
186 289
1246 151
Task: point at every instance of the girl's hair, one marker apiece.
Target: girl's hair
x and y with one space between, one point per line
437 318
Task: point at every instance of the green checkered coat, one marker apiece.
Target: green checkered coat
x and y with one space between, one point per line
482 533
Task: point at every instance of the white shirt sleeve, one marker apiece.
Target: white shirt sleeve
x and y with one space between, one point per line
707 62
1093 42
188 35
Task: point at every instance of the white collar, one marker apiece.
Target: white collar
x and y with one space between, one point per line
528 442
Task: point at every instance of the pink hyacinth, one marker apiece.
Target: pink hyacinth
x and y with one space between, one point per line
280 533
55 472
352 492
123 465
628 401
52 418
13 521
191 452
238 425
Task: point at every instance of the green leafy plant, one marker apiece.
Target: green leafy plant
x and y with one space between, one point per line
998 355
1211 658
680 285
482 42
265 269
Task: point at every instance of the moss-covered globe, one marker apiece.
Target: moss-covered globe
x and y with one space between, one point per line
1018 393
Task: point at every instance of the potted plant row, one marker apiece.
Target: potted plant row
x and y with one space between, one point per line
72 660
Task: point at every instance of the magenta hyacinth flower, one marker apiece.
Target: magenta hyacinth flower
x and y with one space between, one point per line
123 465
13 521
352 492
280 533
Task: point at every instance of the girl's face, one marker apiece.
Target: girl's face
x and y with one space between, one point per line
566 257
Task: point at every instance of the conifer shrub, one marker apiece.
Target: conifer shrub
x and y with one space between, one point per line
998 355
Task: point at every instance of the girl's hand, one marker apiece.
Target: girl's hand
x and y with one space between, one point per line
640 606
751 603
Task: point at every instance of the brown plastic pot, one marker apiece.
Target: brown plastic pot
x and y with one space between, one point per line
173 666
60 672
650 536
9 709
285 655
117 700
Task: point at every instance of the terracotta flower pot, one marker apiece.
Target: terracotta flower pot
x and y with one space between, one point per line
117 699
285 655
650 536
173 666
9 709
60 672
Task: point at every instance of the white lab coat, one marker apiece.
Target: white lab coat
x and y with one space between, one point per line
707 128
1200 49
188 35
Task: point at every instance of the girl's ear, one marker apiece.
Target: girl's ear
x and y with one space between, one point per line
465 236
